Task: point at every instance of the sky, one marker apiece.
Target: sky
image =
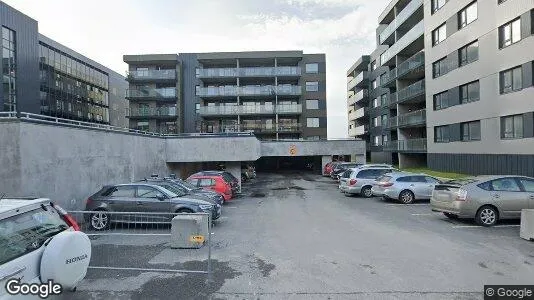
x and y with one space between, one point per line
106 30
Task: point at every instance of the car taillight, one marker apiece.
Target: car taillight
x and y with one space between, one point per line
352 182
386 184
461 195
67 218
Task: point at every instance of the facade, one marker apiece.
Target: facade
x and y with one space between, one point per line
275 94
394 107
42 76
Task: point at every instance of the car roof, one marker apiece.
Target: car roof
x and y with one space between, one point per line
12 204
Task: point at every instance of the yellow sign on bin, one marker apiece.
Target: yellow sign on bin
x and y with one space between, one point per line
292 150
196 239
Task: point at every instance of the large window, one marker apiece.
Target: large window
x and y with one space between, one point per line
471 131
373 65
312 104
383 78
439 68
510 33
511 80
377 141
312 86
384 120
375 102
9 69
441 134
441 100
467 15
383 99
512 127
376 122
470 92
197 108
312 68
312 122
374 84
468 54
437 4
439 34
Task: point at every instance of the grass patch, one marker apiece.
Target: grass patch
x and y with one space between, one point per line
436 173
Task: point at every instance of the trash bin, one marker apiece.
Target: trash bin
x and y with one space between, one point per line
527 224
189 231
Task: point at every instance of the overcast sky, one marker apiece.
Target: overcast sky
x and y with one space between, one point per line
106 30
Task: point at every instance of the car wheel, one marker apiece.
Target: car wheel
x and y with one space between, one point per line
450 216
487 216
100 220
367 192
406 197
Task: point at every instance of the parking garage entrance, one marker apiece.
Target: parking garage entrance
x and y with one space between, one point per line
289 163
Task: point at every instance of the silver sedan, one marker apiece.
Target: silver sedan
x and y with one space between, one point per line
405 187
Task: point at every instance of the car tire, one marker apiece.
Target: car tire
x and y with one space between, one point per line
406 197
347 194
100 220
487 216
367 192
450 216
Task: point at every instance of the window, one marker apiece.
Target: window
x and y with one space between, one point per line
312 86
468 54
437 4
383 78
9 69
505 185
147 192
512 127
373 65
384 139
470 92
206 182
510 33
122 191
384 119
511 80
313 138
441 100
377 141
439 34
383 99
467 15
312 122
376 122
312 68
471 131
431 179
375 102
528 184
374 84
441 134
312 104
197 108
439 68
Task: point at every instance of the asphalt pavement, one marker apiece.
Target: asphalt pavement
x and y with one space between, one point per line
295 236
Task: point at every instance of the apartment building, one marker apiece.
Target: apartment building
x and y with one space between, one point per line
275 94
480 108
393 102
42 76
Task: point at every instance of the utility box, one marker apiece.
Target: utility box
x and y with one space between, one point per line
189 231
527 224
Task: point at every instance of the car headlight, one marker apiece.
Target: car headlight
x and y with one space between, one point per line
205 206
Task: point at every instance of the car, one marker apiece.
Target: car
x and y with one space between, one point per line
328 168
227 176
142 197
214 182
404 186
342 167
189 189
487 199
360 180
39 241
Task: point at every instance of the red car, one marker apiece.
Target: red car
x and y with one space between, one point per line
327 169
212 182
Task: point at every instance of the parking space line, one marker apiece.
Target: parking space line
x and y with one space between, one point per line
230 207
429 214
478 226
129 234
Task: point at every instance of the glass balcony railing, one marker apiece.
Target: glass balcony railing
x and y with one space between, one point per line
263 127
162 93
357 80
413 34
406 145
289 109
414 62
411 91
266 90
357 97
249 72
151 75
359 130
153 112
362 112
413 118
229 110
400 19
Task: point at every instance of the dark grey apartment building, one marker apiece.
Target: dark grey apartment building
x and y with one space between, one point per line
386 89
42 76
275 94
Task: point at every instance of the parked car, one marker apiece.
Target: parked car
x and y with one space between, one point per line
360 180
142 197
247 174
327 168
214 182
487 199
176 188
38 240
227 176
405 187
342 167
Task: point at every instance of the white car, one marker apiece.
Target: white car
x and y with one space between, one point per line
39 244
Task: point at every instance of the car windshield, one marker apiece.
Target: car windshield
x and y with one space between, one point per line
26 232
175 189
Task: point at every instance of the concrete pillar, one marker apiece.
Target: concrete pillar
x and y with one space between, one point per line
235 169
324 160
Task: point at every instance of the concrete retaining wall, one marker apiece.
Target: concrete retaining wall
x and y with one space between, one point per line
313 148
212 149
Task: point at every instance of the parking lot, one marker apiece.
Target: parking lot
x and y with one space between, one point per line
295 236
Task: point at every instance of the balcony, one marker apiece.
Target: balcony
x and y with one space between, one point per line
151 75
409 10
152 113
363 94
362 112
271 128
412 91
410 145
352 116
358 81
289 109
234 91
413 34
161 94
206 111
358 131
248 72
412 63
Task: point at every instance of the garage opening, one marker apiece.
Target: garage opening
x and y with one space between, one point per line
310 164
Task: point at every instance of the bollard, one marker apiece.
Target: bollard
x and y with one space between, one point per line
189 231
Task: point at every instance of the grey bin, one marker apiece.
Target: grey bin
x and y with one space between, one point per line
527 224
189 231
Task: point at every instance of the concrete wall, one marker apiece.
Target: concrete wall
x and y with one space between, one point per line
212 149
314 148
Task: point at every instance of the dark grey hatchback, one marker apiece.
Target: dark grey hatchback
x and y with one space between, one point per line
142 198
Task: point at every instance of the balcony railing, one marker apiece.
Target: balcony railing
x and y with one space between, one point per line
289 109
413 34
359 130
153 112
248 72
358 97
400 19
406 145
271 127
266 90
411 91
151 75
162 93
352 116
416 61
230 110
364 75
362 112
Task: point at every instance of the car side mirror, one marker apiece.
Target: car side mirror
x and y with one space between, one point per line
161 197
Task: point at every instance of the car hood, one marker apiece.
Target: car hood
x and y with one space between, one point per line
203 197
191 200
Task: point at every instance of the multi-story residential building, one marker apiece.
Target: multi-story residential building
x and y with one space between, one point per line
275 94
396 106
358 99
42 76
480 108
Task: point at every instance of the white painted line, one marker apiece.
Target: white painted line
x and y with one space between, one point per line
407 205
149 270
434 214
477 226
230 207
129 234
223 218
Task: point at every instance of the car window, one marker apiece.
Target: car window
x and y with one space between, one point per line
27 232
173 188
528 184
207 182
384 178
147 192
185 184
193 181
485 185
346 174
380 172
419 179
431 179
404 179
505 185
122 191
364 174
